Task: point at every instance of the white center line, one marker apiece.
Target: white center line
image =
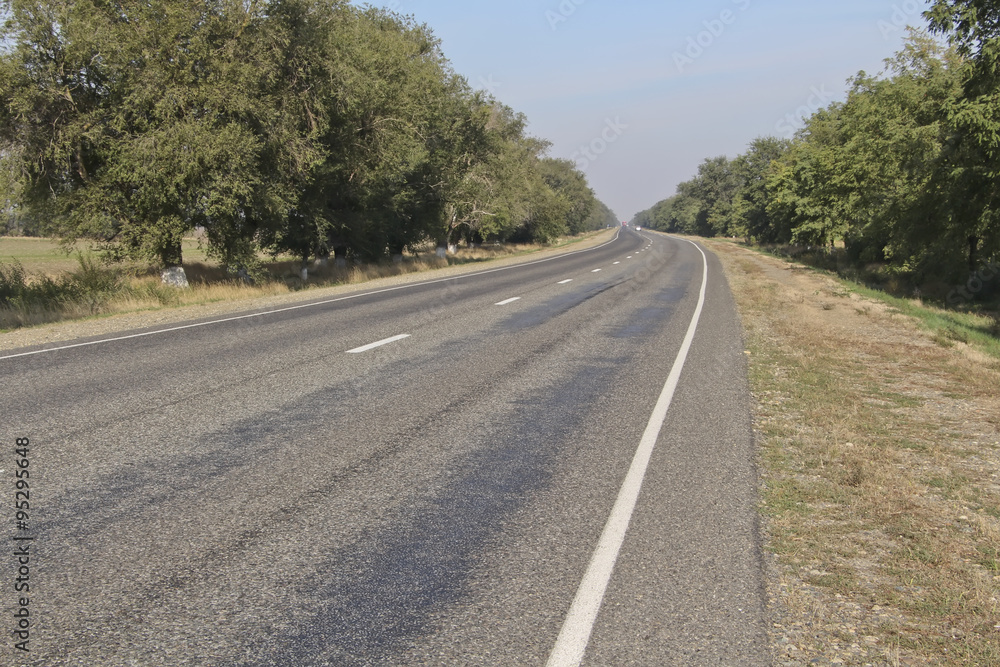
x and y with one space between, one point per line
563 282
504 303
372 346
575 634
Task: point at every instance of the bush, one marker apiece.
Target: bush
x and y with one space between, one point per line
91 285
12 283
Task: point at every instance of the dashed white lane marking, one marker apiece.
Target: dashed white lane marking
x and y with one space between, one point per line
575 634
506 301
629 257
311 304
563 282
372 346
595 271
617 263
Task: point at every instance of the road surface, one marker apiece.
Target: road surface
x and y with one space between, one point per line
416 476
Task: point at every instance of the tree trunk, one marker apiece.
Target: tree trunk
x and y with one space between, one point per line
304 268
340 256
973 253
171 257
171 254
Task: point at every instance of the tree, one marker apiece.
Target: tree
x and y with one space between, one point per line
753 169
809 187
138 121
973 26
714 188
303 126
600 217
570 185
483 168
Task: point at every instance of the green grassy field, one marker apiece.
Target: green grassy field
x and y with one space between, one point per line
50 257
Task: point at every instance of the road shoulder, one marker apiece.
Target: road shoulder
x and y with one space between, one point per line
879 450
113 324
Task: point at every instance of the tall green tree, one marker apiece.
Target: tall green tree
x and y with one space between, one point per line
136 122
753 169
303 126
483 168
973 26
809 187
905 204
570 185
714 188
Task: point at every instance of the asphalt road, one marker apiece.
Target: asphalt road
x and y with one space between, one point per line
271 490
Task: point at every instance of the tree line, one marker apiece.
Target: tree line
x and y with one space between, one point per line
904 172
310 127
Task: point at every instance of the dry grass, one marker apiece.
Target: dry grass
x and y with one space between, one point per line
880 458
75 292
208 284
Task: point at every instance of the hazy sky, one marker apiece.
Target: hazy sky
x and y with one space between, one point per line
639 92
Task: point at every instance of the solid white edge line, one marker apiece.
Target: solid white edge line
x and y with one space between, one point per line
506 301
372 346
574 636
311 304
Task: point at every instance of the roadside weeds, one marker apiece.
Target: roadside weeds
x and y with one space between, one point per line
879 450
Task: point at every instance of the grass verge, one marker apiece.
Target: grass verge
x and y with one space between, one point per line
38 285
879 441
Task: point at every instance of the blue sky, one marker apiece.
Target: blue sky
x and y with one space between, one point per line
639 93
